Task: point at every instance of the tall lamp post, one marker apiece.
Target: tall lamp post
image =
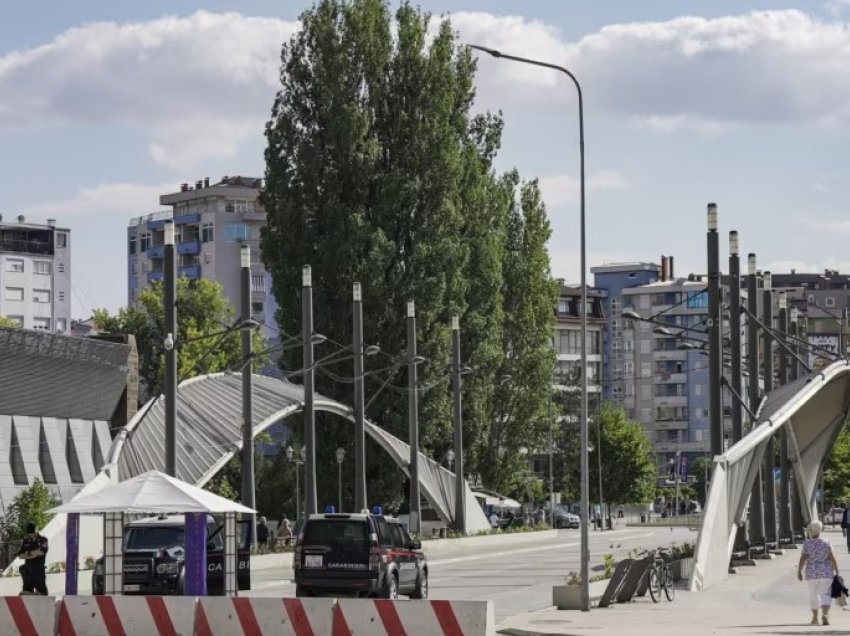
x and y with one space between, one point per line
585 481
169 299
340 457
309 376
290 453
460 483
248 489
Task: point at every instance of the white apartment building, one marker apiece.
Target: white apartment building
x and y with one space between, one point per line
35 274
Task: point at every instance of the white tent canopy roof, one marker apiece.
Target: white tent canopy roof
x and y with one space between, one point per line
152 491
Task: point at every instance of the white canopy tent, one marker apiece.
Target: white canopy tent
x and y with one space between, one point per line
157 493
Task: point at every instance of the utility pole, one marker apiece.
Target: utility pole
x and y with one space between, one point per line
169 297
460 482
248 489
359 415
310 507
413 419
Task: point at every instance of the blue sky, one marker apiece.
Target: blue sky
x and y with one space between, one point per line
105 105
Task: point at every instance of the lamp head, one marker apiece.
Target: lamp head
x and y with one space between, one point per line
733 243
340 455
485 49
289 452
631 314
306 276
411 309
169 342
356 292
450 455
711 217
245 256
783 301
455 323
371 350
751 264
768 281
168 231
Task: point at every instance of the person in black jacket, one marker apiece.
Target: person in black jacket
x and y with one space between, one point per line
845 525
33 550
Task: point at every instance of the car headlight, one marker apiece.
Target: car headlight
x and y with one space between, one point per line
98 568
169 567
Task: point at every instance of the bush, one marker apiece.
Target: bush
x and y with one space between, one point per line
89 562
30 504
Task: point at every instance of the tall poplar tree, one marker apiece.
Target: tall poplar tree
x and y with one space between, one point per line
376 171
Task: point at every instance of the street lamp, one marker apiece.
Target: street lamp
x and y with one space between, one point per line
585 484
450 458
340 456
299 459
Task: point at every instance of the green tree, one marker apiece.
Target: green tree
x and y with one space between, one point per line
29 505
376 171
836 473
202 310
8 323
628 465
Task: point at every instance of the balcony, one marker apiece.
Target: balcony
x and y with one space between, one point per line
155 276
671 400
670 378
188 218
193 271
25 247
155 252
189 247
673 354
159 224
671 425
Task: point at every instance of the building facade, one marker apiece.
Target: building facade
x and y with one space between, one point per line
212 222
35 274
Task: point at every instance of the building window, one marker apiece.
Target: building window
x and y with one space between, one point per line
132 269
61 267
145 242
258 283
258 308
43 324
61 325
235 232
563 307
14 293
62 296
41 295
61 239
132 245
41 267
830 301
207 233
14 265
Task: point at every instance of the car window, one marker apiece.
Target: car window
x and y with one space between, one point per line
153 538
328 532
384 532
408 542
395 532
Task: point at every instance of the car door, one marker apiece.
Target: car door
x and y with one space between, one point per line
403 558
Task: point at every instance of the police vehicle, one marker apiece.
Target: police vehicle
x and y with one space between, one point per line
154 556
365 554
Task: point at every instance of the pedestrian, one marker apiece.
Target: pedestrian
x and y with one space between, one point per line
845 525
820 567
262 532
494 520
33 550
284 532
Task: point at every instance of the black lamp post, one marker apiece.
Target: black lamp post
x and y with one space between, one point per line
340 457
290 454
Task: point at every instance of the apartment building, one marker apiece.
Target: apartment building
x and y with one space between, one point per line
212 222
567 341
35 274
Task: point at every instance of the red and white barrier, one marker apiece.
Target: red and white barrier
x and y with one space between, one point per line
28 616
126 615
354 617
258 616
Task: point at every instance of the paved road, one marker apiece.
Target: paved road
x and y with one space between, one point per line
518 580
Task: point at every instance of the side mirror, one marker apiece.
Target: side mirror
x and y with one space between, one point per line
416 544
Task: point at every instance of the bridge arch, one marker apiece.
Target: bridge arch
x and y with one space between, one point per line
812 409
209 420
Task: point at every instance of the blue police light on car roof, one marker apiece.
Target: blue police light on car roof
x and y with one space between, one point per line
377 510
330 509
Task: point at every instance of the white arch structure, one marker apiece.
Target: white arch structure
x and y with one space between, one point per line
812 409
209 419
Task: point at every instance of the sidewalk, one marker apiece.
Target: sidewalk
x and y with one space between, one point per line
765 599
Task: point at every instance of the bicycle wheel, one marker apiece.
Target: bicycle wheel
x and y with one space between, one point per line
669 590
654 584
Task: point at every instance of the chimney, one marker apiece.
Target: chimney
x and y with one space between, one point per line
206 182
670 272
663 268
199 184
184 187
51 222
793 271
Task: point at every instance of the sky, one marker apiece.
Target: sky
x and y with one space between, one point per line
104 106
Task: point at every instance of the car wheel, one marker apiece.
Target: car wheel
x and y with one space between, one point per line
390 590
421 590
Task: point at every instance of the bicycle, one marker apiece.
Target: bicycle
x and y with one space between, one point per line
660 576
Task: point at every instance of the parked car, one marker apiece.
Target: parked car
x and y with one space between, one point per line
366 554
563 518
833 516
154 557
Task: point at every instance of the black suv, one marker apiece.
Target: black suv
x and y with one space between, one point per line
154 557
364 554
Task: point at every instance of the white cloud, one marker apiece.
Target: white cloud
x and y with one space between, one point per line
200 84
559 190
688 72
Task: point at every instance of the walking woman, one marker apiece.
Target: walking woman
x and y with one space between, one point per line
821 566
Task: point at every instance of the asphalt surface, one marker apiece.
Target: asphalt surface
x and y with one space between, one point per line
516 580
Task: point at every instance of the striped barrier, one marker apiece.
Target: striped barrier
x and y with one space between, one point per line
127 616
258 616
28 616
353 617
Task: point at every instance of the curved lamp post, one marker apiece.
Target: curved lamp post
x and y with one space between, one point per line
340 457
585 483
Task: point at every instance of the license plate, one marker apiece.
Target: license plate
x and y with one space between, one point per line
313 560
131 588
